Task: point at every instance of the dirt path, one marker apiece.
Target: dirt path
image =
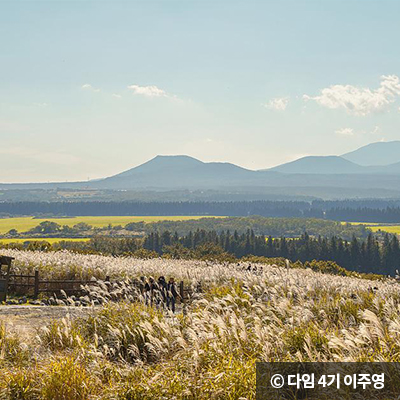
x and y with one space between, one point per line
26 320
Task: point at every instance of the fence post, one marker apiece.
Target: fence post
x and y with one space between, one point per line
7 281
36 290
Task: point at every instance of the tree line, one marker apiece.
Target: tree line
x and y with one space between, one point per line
360 255
346 210
127 208
276 227
364 256
386 215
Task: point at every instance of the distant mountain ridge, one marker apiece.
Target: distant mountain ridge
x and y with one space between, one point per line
375 158
181 171
161 162
333 176
320 165
178 171
375 154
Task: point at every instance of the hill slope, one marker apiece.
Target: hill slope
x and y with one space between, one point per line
380 153
319 165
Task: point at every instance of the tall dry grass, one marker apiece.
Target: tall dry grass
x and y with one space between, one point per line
131 351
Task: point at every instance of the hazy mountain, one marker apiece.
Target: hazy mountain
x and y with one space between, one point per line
325 177
298 177
392 168
179 172
320 165
167 164
375 158
380 153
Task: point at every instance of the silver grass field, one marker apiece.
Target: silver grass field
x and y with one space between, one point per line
207 350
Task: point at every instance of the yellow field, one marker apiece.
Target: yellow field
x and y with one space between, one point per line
50 240
25 223
360 223
386 228
375 226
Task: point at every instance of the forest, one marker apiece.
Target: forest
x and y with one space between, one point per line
368 255
275 227
384 211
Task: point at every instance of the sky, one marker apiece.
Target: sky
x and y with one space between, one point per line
92 88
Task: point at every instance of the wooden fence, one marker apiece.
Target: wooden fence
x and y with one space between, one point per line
33 285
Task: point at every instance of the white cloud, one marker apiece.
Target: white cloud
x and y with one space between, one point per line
277 104
87 86
359 101
149 91
351 132
117 96
345 132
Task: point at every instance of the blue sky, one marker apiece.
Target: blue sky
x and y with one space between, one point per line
88 89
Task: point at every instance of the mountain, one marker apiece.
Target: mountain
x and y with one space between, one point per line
298 177
375 158
320 165
325 177
167 164
178 172
392 168
375 154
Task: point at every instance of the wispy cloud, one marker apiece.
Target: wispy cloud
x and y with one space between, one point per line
11 126
277 104
42 105
55 158
376 131
87 86
359 101
116 96
345 131
149 91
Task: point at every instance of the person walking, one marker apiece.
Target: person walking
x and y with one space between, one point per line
144 289
153 290
162 286
172 294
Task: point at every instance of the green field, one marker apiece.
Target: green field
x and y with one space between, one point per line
49 240
23 224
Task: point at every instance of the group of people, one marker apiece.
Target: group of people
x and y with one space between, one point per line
159 292
251 268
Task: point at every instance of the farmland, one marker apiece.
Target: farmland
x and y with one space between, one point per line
132 351
23 224
386 228
375 227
